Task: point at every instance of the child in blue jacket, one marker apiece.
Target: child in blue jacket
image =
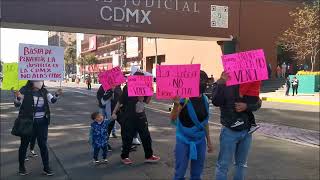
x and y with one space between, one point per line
98 136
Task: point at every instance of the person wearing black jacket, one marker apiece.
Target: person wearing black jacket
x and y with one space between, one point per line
288 84
134 120
33 100
235 141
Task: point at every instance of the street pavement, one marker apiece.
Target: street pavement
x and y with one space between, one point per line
293 122
70 153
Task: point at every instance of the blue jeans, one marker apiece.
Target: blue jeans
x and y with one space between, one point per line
182 160
233 144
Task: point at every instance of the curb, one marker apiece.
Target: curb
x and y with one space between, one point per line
291 101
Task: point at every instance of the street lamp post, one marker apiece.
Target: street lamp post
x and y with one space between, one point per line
156 57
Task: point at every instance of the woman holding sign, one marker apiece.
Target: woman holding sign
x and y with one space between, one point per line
191 119
33 100
134 120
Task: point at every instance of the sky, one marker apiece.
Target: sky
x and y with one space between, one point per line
10 39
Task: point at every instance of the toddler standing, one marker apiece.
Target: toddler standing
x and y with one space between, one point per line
98 136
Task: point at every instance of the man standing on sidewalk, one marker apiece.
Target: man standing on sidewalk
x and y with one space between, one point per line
288 84
89 81
235 141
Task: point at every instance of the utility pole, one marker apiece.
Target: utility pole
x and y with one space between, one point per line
59 44
156 45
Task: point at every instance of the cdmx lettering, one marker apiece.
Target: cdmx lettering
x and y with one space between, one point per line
139 11
37 70
184 92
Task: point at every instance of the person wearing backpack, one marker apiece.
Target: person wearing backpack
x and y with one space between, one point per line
235 141
190 116
33 100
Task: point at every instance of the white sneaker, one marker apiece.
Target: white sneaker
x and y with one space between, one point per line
96 162
136 141
253 129
33 153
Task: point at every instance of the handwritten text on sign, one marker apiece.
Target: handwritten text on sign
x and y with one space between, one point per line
38 62
111 78
178 80
140 86
245 67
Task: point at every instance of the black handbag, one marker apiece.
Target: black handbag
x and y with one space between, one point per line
23 126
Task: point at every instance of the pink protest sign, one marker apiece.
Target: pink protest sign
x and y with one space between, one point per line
111 78
178 80
140 86
37 62
245 67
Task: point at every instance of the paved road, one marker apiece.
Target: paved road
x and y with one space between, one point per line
296 123
71 159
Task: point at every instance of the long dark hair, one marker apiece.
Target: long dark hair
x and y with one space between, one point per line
203 81
203 76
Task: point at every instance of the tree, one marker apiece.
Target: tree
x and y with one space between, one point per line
88 59
303 37
70 56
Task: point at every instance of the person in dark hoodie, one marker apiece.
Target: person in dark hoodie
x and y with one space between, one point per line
235 141
33 100
134 120
288 84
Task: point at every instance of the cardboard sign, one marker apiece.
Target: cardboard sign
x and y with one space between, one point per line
111 78
140 86
10 77
245 67
178 80
40 62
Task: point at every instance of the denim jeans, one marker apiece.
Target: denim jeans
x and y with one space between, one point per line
182 160
233 145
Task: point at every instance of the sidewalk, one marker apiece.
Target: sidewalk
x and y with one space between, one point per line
299 99
271 97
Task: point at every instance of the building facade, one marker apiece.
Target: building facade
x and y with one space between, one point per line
110 51
260 24
174 51
64 38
